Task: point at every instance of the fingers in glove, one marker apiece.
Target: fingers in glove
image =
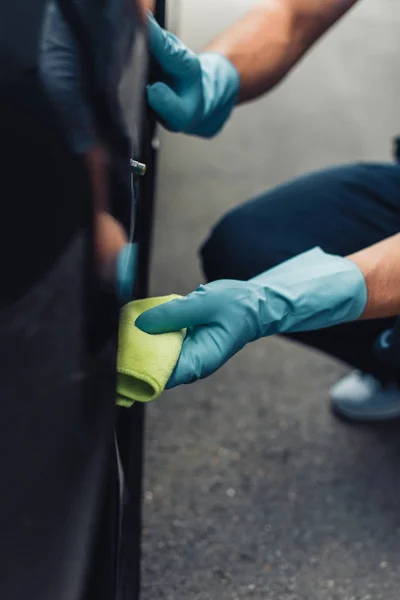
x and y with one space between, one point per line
170 53
168 106
195 309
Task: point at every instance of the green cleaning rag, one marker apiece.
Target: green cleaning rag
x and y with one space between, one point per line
145 362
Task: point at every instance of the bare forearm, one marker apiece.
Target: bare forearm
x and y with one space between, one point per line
270 39
380 265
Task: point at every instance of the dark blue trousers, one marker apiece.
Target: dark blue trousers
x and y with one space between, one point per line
342 210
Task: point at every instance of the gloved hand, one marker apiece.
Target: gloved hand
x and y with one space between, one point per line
199 91
126 272
311 291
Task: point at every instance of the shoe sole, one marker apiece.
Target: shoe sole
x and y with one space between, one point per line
362 420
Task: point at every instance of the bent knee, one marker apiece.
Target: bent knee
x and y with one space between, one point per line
237 248
220 255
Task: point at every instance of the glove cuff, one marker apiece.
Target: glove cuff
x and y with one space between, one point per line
221 85
313 290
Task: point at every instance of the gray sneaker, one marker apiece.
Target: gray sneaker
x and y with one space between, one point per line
360 397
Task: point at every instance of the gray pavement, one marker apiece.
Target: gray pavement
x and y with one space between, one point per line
253 490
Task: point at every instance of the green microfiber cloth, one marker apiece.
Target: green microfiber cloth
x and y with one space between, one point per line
145 362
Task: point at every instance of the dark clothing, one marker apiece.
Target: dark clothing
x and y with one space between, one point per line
342 210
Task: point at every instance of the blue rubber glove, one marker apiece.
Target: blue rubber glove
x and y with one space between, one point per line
311 291
199 91
126 272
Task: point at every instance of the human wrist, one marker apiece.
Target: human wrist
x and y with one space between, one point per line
361 292
221 86
222 72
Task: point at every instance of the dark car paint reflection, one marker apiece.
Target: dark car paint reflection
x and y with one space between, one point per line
91 58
